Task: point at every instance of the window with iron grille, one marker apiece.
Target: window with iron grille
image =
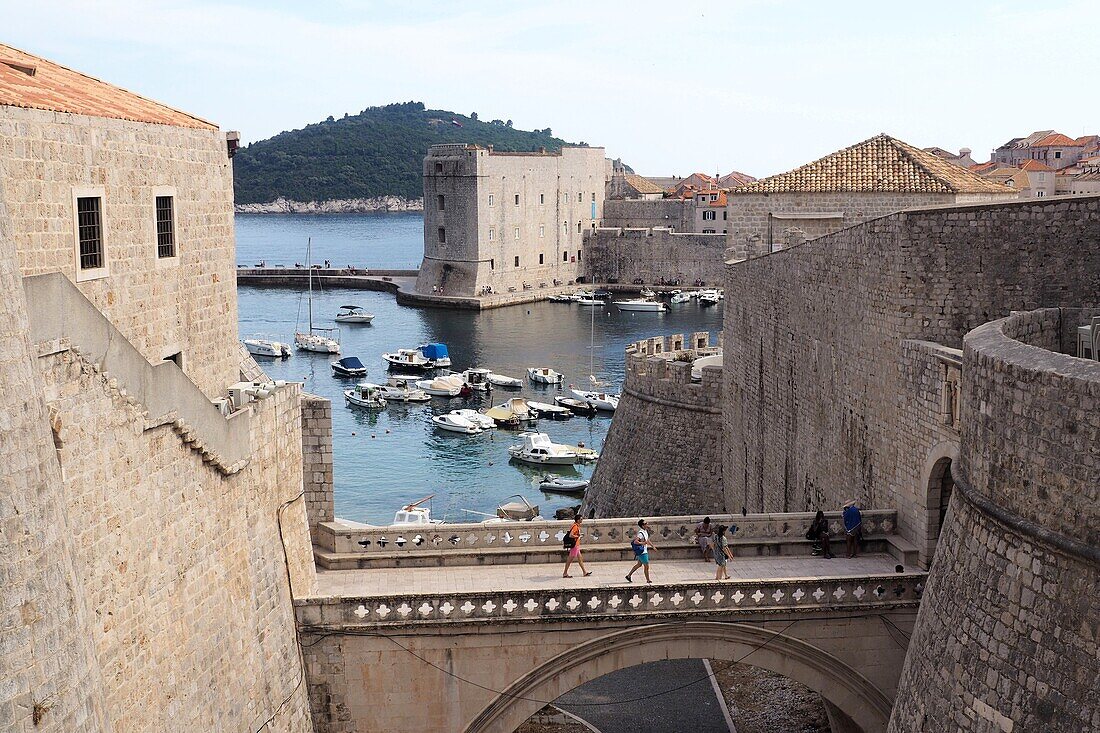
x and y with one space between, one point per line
166 227
90 232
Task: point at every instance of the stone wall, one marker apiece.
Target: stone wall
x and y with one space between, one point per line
163 306
675 214
663 452
819 403
317 459
1006 635
654 255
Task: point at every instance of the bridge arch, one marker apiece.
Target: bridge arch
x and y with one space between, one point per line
834 680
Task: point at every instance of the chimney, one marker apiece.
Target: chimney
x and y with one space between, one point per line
963 152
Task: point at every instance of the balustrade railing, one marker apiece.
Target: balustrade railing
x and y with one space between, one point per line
524 536
796 595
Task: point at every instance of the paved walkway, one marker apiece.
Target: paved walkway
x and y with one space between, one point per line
482 578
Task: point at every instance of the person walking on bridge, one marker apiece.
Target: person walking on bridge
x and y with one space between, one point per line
641 546
572 542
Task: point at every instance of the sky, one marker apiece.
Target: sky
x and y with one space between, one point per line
759 86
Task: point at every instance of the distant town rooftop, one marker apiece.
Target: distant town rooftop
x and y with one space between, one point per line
32 82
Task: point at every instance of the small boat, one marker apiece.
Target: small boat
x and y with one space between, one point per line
583 294
439 387
409 359
647 293
478 379
599 400
553 412
641 304
455 424
602 293
559 485
512 413
521 510
589 302
561 298
265 347
316 342
365 394
353 314
481 420
415 514
710 297
584 455
538 449
397 389
544 375
500 380
680 297
436 353
578 407
349 366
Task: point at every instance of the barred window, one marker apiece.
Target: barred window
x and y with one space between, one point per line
90 232
166 227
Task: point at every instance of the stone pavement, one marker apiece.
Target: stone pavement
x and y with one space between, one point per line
480 578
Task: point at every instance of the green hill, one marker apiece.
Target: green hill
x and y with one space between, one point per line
377 152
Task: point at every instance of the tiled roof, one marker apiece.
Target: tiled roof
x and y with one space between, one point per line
981 168
641 184
735 179
880 164
33 82
1035 166
719 202
1056 139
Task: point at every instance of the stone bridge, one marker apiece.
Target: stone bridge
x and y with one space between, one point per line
472 627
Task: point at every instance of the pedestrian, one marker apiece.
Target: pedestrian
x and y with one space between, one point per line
853 527
641 546
703 537
572 542
819 533
722 553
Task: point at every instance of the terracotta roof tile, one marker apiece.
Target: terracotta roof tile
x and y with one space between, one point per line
1035 166
641 184
54 87
735 179
880 164
1056 139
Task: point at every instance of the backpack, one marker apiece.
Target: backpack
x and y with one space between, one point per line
568 542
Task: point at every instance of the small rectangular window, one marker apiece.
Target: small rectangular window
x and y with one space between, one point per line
542 230
439 201
515 233
578 227
542 198
578 255
580 197
565 256
491 233
442 235
166 227
593 197
540 258
438 167
492 264
517 199
725 215
1057 154
517 260
491 199
89 223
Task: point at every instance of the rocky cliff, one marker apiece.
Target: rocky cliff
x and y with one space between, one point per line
335 206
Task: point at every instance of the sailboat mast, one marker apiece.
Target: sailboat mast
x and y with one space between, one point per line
309 266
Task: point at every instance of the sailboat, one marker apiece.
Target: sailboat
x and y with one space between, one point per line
312 341
596 398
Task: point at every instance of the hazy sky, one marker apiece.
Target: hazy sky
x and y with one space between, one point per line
671 87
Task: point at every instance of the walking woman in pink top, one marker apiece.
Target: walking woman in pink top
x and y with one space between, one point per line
572 542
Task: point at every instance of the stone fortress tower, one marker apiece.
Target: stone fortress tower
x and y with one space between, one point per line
507 221
148 539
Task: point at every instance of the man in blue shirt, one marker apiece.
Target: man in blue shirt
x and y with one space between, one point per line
853 527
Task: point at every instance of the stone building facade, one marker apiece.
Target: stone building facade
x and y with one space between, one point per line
654 461
150 544
507 221
865 181
654 255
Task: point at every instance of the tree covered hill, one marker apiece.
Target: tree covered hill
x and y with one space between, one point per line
377 152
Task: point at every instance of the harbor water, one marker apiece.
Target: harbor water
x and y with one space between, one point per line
385 458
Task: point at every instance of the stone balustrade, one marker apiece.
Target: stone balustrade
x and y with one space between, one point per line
520 537
838 595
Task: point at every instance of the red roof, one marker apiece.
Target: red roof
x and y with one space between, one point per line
980 168
1034 166
1058 140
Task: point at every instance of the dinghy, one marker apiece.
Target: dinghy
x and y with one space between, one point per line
500 380
544 375
559 485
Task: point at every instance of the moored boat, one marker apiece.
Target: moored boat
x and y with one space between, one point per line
518 510
578 407
591 302
268 348
501 380
538 449
599 400
402 388
353 314
366 395
477 379
455 424
415 514
436 353
480 419
680 298
512 413
439 387
349 366
551 412
644 305
408 359
544 375
560 485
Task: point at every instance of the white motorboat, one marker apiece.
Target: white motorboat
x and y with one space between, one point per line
680 298
559 485
500 380
455 424
349 366
599 400
408 359
481 420
589 302
561 298
538 449
578 407
366 395
648 293
476 378
436 353
521 510
439 387
544 375
552 412
397 389
710 296
583 295
415 515
265 347
512 413
641 304
311 340
353 314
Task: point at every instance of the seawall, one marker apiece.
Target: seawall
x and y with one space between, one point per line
333 206
654 255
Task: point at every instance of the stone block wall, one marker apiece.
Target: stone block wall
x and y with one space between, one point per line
317 459
819 403
163 306
1006 635
675 214
663 452
622 255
